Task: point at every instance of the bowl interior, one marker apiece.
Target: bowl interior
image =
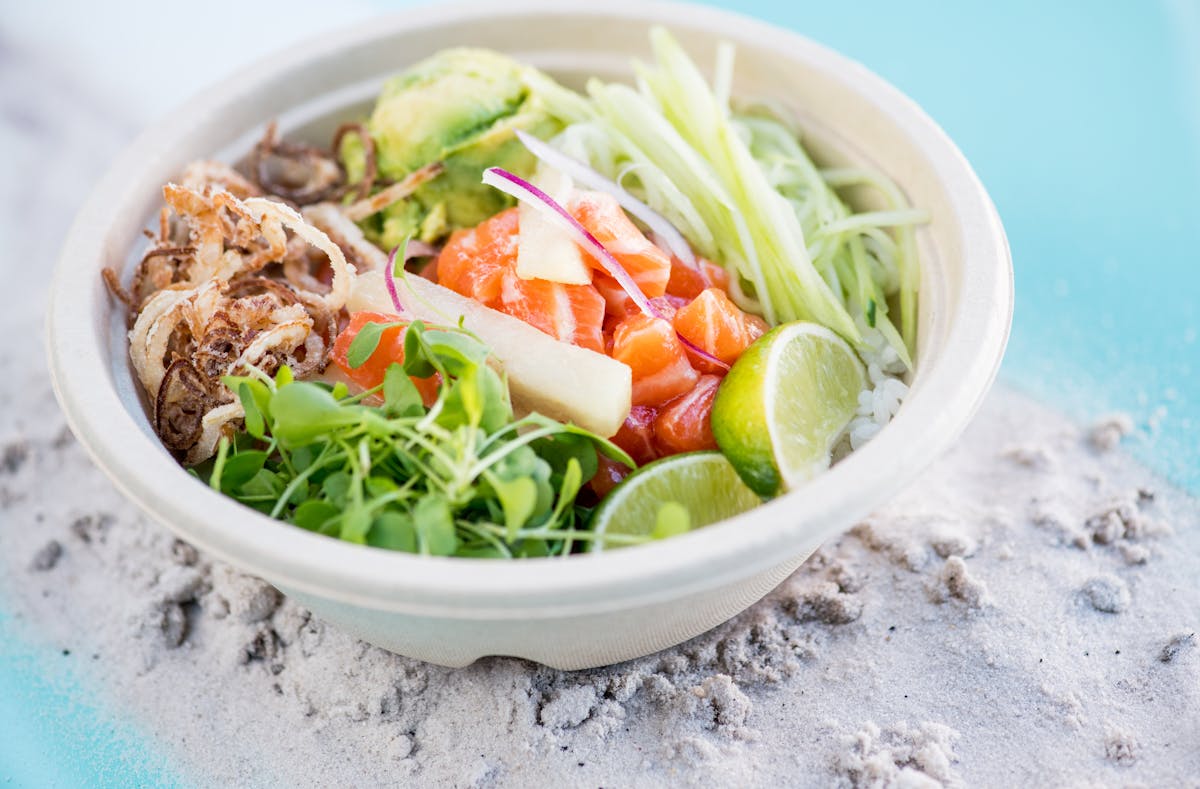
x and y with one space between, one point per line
848 116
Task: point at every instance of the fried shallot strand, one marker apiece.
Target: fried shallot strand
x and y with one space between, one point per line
370 160
113 281
204 310
301 174
183 399
160 267
220 422
206 173
392 194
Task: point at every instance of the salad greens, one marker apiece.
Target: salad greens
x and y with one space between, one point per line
741 189
461 477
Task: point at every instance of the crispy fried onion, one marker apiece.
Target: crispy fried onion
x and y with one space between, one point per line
219 422
159 268
185 340
307 269
228 239
183 399
370 160
333 222
205 173
299 173
211 312
394 193
268 211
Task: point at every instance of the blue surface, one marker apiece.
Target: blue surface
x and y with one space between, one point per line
52 734
1082 119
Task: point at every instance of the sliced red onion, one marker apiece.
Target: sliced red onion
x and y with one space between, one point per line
668 304
521 189
407 251
390 275
670 237
703 354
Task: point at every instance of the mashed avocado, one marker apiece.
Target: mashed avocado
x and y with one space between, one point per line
459 107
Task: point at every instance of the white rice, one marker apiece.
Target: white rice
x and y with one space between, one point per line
879 401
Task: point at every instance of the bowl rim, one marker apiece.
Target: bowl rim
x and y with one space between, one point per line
926 426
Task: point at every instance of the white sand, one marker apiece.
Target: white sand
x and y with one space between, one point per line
1026 614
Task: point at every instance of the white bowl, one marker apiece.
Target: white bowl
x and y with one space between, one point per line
584 610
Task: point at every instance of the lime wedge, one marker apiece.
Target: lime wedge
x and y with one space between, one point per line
784 404
653 500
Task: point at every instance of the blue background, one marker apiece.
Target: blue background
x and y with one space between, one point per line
1082 119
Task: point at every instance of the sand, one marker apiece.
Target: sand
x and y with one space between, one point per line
1026 614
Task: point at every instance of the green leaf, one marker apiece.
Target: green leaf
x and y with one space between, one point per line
607 448
395 531
545 499
603 445
400 395
336 487
356 522
417 360
259 388
303 457
365 343
265 485
470 395
303 412
481 552
456 409
255 422
435 526
240 469
376 486
673 519
519 498
497 410
457 352
478 398
572 481
244 442
532 549
559 450
283 376
315 515
524 463
255 397
520 462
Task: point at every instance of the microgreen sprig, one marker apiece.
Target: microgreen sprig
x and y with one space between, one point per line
460 477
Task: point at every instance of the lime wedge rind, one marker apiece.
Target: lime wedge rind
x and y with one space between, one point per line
703 482
785 404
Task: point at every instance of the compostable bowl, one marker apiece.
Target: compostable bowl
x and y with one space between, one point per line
582 610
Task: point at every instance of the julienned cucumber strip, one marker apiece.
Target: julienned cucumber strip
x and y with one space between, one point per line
743 191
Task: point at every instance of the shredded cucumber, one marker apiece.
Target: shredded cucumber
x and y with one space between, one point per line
740 187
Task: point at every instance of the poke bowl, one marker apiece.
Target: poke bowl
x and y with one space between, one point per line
582 608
